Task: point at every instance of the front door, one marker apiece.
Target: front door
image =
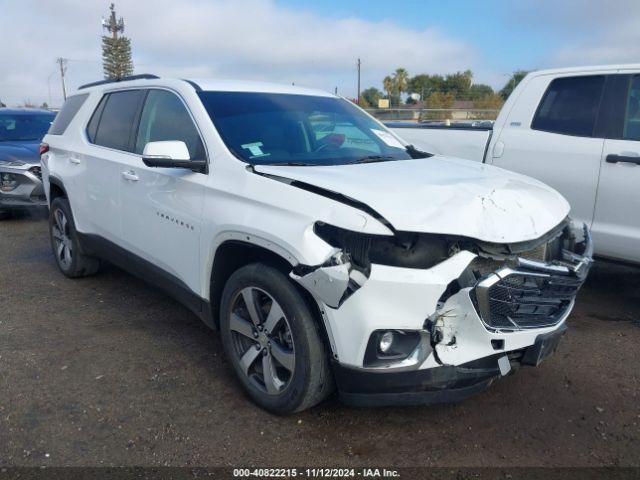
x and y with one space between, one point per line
616 226
162 207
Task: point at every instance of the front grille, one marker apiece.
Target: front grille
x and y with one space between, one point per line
514 300
533 290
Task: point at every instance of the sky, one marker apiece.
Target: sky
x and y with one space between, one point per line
310 42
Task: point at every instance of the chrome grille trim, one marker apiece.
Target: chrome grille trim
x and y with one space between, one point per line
532 294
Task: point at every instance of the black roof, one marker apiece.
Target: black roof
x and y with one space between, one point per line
142 76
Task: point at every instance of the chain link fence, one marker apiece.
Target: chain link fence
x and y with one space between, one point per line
433 114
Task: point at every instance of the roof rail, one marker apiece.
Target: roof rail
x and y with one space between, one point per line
142 76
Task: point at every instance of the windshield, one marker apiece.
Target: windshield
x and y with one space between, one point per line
274 128
24 127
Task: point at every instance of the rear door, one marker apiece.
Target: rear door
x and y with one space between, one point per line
162 207
554 140
616 226
110 135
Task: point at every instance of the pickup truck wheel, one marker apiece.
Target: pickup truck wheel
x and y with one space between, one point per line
66 244
272 340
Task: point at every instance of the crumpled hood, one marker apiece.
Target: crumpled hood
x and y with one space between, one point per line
22 152
443 195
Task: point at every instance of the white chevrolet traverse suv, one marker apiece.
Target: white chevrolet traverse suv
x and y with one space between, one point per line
327 251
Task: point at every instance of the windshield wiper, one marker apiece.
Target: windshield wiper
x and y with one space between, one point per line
372 159
287 164
415 153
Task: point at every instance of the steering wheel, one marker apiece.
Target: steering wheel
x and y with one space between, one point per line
324 146
333 140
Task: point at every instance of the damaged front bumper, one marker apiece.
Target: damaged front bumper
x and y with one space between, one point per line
468 335
21 186
442 384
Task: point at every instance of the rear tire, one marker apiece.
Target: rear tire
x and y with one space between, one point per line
65 243
274 345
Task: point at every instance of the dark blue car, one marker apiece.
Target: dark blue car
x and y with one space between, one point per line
21 131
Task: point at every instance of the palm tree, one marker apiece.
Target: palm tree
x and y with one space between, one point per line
388 85
401 81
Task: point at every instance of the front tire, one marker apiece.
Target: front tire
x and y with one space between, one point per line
272 340
66 244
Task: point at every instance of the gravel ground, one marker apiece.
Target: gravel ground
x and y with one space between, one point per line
109 371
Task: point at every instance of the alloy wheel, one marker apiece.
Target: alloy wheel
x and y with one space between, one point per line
262 340
62 239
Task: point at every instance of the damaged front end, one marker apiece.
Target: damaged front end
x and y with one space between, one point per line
455 312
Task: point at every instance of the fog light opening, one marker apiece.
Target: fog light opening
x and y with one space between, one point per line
386 347
8 182
386 342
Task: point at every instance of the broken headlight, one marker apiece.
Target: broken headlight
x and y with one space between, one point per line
403 249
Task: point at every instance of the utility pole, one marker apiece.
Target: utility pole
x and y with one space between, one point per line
358 63
63 69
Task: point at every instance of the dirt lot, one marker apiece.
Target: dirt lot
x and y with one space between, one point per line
108 371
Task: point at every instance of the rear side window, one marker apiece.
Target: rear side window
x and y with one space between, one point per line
69 110
92 128
632 117
570 106
116 119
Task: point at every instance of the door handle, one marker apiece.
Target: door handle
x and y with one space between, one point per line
74 160
130 175
623 159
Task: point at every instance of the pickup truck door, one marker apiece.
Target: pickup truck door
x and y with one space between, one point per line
162 207
553 140
616 226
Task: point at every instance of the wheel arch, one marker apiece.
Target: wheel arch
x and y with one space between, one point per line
234 254
56 189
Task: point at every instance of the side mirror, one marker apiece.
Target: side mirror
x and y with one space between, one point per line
171 154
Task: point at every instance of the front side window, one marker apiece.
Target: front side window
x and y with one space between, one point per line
274 128
115 119
570 106
632 117
164 117
24 127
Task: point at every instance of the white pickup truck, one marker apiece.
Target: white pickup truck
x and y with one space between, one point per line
575 129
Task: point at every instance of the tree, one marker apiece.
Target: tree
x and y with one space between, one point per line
513 82
370 97
44 106
425 85
489 102
401 81
438 100
116 50
458 84
389 87
479 90
2 105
